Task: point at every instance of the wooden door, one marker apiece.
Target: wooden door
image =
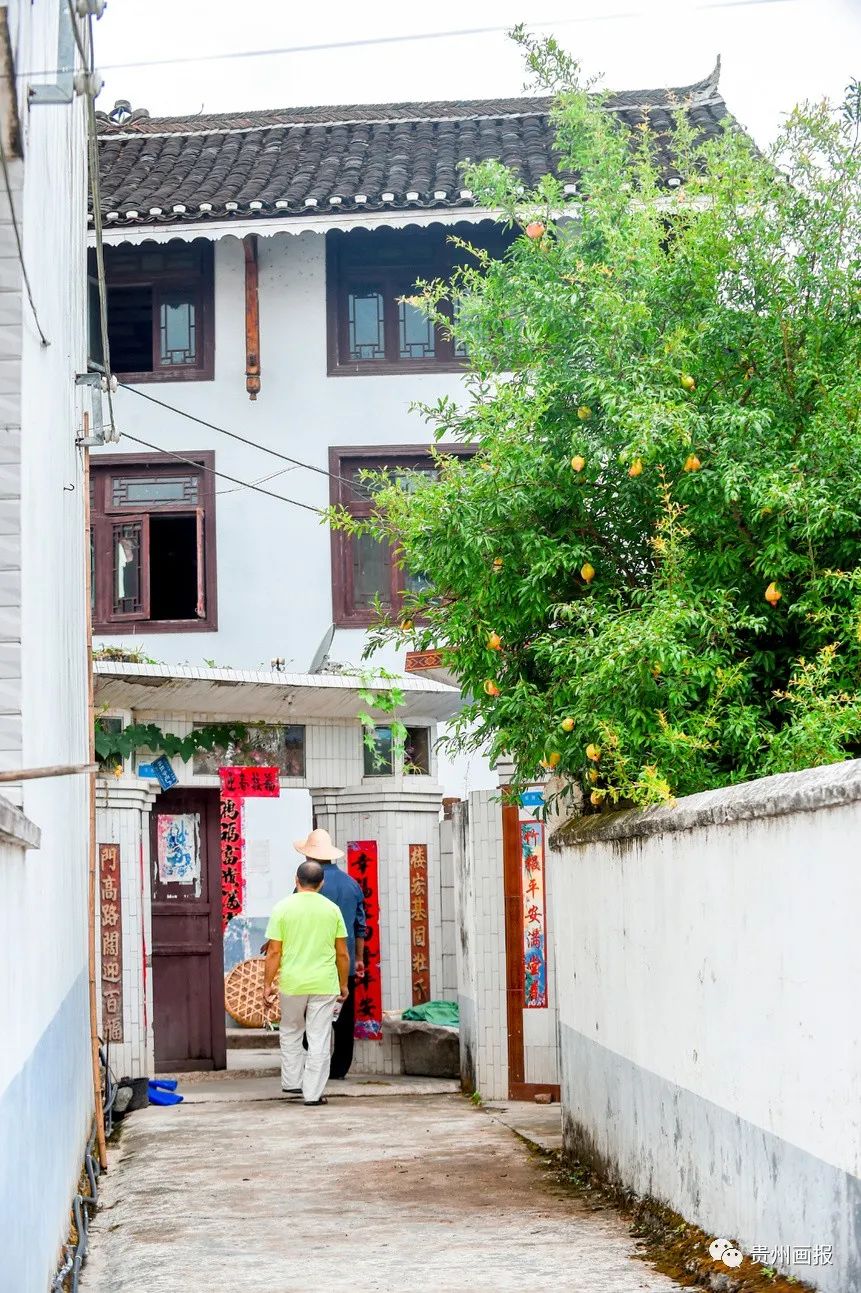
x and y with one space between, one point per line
187 952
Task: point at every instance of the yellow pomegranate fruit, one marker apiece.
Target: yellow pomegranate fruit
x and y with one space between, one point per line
535 230
593 775
554 759
773 594
584 413
596 798
587 572
567 724
498 563
490 687
692 463
593 752
577 463
636 467
688 382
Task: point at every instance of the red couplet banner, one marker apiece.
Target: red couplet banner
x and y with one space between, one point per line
250 783
362 866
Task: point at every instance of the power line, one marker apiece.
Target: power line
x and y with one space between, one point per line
261 480
318 511
402 38
212 426
18 244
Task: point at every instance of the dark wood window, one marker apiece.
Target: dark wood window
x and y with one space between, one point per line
372 329
153 544
365 571
379 758
160 312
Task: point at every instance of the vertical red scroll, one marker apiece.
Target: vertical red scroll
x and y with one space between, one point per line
238 784
534 916
362 866
419 926
111 942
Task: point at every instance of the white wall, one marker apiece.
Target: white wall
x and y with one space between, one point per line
479 902
708 962
45 1078
274 560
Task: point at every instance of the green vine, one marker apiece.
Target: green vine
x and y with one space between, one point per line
113 746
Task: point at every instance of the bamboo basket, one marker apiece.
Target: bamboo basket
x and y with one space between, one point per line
243 995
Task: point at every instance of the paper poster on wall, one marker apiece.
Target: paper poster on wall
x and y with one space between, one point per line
534 916
179 848
362 866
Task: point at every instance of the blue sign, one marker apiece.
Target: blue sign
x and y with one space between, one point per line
146 770
165 774
532 798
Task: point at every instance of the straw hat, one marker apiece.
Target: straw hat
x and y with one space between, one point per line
319 847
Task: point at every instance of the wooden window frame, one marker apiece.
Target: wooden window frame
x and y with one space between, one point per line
397 277
203 296
344 613
105 514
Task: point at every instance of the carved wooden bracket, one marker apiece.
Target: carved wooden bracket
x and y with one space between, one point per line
252 318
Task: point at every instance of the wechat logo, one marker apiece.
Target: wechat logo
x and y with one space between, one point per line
723 1251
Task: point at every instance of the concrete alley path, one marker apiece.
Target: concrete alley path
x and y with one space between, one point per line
370 1194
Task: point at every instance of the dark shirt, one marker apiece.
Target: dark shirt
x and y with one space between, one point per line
342 890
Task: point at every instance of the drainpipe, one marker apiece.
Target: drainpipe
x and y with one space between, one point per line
91 868
252 318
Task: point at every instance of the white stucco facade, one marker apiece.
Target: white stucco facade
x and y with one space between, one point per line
274 560
704 954
46 1090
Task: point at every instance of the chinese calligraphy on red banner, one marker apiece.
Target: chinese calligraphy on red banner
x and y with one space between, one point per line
419 938
250 782
534 916
362 866
111 942
232 858
238 784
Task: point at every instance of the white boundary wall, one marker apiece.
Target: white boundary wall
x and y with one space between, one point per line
708 962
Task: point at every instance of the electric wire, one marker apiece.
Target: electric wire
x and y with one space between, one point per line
234 435
261 480
16 230
246 484
402 38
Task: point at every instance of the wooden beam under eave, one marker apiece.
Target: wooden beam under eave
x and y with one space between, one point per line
252 318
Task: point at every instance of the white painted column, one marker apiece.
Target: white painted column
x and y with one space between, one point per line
122 817
396 815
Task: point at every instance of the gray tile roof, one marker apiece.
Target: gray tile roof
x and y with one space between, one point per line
391 156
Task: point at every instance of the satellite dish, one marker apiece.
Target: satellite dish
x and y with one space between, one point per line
321 655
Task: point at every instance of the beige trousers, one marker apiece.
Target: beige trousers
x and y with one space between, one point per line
311 1015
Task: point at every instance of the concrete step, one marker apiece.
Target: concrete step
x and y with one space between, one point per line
251 1039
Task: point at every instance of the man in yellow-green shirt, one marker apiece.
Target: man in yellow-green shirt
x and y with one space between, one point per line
307 951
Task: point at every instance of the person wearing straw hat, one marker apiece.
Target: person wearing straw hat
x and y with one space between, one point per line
307 952
345 893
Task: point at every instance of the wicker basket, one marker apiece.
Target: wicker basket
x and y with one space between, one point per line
243 995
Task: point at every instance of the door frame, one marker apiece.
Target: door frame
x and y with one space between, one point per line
512 884
209 810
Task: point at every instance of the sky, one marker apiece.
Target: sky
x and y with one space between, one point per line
774 52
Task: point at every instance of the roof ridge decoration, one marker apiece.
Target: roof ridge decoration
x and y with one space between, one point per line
281 164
